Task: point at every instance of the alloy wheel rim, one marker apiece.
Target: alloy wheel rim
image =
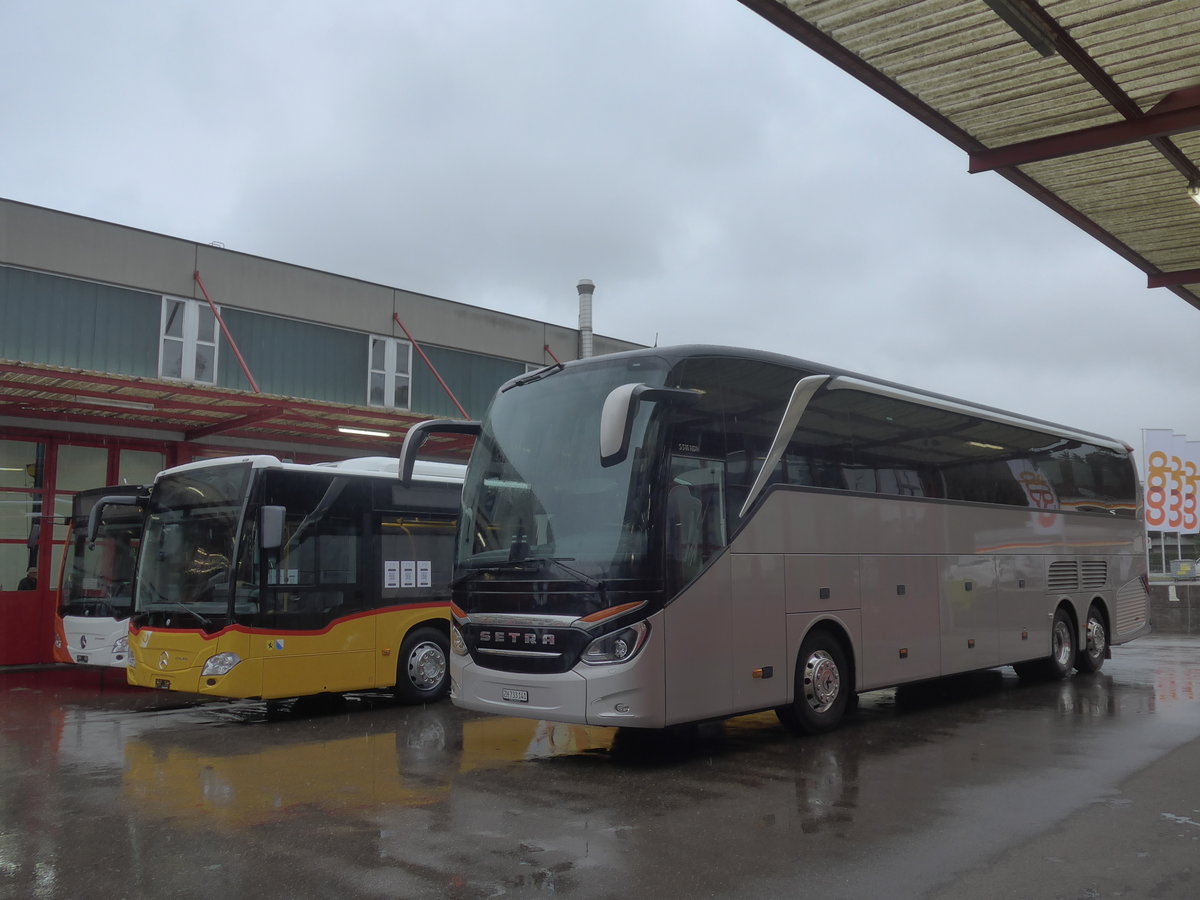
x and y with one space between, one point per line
426 665
822 681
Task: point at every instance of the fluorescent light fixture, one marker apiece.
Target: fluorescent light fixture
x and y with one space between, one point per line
1194 191
363 431
982 445
114 402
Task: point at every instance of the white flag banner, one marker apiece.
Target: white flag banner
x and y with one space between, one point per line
1159 447
1177 485
1191 487
1172 482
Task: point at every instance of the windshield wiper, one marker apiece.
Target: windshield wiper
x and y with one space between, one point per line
143 613
536 375
529 562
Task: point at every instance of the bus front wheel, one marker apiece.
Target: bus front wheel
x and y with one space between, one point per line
421 671
823 686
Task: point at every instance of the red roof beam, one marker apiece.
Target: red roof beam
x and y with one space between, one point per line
1099 137
261 415
1173 279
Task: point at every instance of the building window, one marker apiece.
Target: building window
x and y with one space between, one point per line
189 341
388 379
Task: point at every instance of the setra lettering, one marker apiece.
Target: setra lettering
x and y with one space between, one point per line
528 638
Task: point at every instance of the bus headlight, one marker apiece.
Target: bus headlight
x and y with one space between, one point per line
457 645
617 647
220 664
121 645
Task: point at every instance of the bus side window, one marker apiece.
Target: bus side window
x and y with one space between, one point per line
695 516
684 513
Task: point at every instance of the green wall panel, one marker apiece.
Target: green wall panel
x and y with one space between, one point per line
60 321
295 359
472 377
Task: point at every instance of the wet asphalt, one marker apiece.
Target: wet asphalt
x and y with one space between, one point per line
977 787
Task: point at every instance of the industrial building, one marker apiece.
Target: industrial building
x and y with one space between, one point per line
123 352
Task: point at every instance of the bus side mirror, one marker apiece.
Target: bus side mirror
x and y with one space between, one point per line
93 526
620 409
416 435
270 527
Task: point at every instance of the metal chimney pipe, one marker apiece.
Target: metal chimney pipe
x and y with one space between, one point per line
585 288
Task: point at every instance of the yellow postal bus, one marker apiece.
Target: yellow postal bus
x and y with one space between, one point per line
264 579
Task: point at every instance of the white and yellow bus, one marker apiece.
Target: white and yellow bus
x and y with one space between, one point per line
264 579
96 589
681 534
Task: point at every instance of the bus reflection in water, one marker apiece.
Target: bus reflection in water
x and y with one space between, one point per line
205 782
680 534
264 579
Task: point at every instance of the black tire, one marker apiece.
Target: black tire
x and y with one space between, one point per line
1091 656
422 671
823 686
1063 653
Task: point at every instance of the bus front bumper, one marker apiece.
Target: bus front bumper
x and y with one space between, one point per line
628 695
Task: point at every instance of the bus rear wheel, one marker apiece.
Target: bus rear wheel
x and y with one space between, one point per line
1062 658
1091 655
421 671
823 686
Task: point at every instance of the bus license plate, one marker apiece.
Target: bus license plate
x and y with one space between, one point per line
162 684
514 695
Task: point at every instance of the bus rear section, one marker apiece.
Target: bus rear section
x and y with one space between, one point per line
261 579
96 593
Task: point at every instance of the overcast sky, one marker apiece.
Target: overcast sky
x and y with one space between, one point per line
717 180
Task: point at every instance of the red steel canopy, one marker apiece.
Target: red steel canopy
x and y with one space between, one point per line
189 412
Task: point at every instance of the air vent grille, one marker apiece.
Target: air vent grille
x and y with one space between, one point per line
1094 573
1063 575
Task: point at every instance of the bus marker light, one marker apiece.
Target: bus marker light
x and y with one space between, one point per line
970 643
764 672
904 653
386 651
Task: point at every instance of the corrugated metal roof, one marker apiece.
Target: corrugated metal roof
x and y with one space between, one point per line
1108 154
190 412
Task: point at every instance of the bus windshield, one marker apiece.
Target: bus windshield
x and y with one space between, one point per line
188 546
538 492
98 580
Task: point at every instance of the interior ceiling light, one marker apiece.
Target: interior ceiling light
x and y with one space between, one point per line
1032 28
363 431
113 402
